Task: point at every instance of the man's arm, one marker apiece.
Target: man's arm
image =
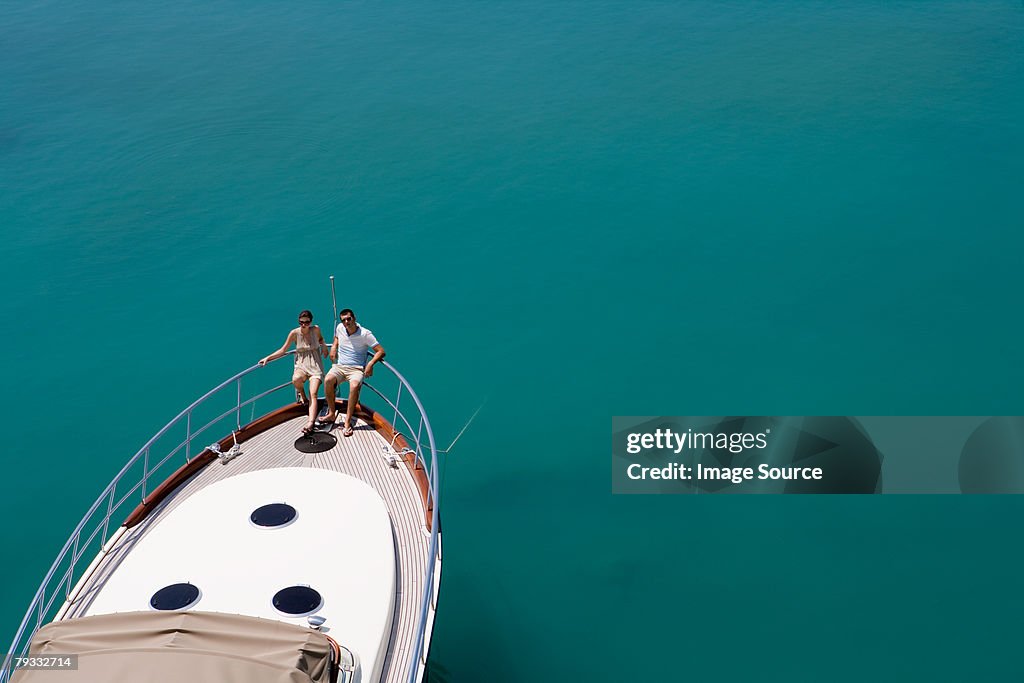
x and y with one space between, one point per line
378 353
334 349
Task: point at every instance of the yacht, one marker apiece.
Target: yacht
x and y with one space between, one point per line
266 555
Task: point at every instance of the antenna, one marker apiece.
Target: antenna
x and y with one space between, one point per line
334 300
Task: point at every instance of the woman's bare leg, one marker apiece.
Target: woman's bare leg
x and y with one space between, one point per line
314 387
300 389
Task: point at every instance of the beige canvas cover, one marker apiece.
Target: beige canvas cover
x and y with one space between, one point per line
177 647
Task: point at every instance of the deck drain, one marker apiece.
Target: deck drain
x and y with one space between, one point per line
315 442
273 515
176 596
297 601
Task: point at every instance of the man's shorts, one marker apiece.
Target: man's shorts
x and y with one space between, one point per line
346 373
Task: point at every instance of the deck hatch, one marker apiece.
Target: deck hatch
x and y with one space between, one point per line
273 515
176 596
297 600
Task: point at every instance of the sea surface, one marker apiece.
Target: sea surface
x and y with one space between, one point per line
561 211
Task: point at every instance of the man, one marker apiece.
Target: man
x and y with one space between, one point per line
348 354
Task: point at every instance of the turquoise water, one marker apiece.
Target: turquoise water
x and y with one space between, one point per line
572 210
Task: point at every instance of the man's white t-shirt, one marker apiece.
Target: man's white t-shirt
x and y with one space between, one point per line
352 348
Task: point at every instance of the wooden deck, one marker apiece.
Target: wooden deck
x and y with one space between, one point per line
363 455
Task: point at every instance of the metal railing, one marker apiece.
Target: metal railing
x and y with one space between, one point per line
92 532
428 602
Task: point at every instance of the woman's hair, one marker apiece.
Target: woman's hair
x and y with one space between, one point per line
304 314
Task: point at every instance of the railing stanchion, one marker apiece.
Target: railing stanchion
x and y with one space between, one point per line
419 435
398 400
238 406
188 437
110 511
71 570
145 473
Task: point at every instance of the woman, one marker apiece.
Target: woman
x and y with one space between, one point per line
309 347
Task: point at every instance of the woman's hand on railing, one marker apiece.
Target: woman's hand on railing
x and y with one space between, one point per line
274 356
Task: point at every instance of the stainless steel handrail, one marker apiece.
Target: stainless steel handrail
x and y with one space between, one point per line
434 550
46 595
435 535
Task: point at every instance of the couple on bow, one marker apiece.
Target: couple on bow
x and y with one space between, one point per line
348 353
